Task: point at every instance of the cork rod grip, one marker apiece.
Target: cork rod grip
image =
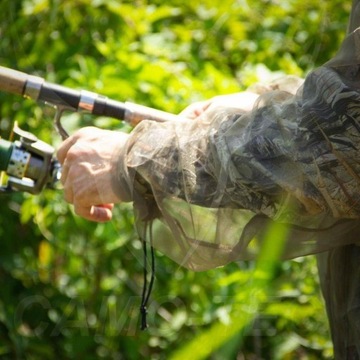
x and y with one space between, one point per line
12 81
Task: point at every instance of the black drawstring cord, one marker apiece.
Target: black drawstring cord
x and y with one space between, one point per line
147 291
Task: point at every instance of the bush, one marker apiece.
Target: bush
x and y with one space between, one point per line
71 289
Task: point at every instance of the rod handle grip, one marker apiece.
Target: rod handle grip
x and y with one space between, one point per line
12 81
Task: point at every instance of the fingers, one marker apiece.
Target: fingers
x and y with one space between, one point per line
64 171
65 147
84 134
244 100
195 110
100 213
88 165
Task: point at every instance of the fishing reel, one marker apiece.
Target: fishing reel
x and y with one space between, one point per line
27 164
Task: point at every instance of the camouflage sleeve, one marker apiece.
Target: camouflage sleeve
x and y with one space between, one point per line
292 159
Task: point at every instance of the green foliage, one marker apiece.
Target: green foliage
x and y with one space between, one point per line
71 289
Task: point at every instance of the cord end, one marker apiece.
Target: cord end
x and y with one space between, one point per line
143 312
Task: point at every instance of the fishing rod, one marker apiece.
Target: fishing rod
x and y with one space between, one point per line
29 163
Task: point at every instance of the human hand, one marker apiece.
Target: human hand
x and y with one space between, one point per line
88 167
243 101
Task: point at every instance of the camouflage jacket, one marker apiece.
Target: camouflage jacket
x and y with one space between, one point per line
211 187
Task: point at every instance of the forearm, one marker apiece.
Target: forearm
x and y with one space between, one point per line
208 162
288 151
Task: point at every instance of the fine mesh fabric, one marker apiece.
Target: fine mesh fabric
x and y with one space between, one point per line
213 186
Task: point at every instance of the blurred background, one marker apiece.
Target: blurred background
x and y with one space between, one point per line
71 289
